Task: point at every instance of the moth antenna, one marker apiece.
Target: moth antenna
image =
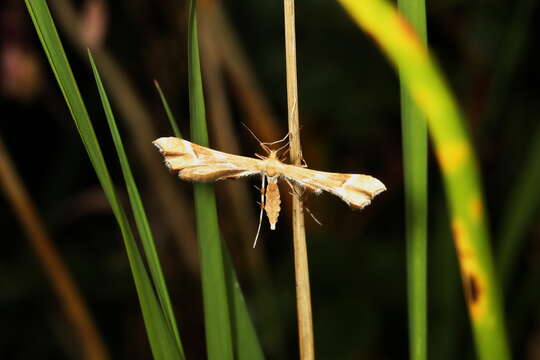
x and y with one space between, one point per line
265 148
261 213
260 156
278 141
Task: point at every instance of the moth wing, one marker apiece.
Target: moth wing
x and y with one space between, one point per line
198 163
355 189
204 173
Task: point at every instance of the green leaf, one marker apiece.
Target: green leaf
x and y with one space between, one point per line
216 298
170 116
160 335
139 214
229 330
458 163
520 210
415 147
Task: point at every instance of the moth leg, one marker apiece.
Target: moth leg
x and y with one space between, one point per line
262 209
283 159
295 193
313 216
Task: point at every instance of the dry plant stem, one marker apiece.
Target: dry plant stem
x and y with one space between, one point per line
303 297
138 123
67 292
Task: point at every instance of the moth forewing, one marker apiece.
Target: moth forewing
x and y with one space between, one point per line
198 163
355 189
173 146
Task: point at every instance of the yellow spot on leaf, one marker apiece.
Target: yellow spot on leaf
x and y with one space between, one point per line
453 155
476 207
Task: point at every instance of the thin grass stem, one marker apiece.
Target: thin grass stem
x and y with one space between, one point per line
415 148
303 296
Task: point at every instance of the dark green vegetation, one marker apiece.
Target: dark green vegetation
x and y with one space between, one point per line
350 112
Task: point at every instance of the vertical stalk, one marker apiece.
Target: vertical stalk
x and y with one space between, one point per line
217 314
76 311
303 297
458 164
415 147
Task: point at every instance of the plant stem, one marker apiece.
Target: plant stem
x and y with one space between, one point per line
76 311
415 149
303 297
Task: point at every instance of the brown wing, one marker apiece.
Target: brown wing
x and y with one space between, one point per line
355 189
198 163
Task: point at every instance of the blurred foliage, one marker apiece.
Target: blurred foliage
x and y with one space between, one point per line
349 108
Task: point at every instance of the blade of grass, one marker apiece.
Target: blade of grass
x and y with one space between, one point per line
520 211
139 129
447 329
170 116
246 342
458 165
508 53
216 299
415 146
139 213
161 339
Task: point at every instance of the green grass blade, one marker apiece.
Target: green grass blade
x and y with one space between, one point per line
247 345
511 47
415 147
458 165
229 330
139 214
170 116
520 211
155 323
216 298
246 342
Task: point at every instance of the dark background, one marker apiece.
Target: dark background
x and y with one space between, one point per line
350 117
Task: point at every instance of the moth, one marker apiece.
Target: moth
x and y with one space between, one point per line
198 163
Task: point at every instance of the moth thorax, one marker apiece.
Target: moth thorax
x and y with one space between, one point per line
272 202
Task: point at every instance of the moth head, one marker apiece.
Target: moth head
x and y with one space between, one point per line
272 154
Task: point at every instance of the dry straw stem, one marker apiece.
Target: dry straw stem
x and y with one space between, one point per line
303 297
137 120
68 294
